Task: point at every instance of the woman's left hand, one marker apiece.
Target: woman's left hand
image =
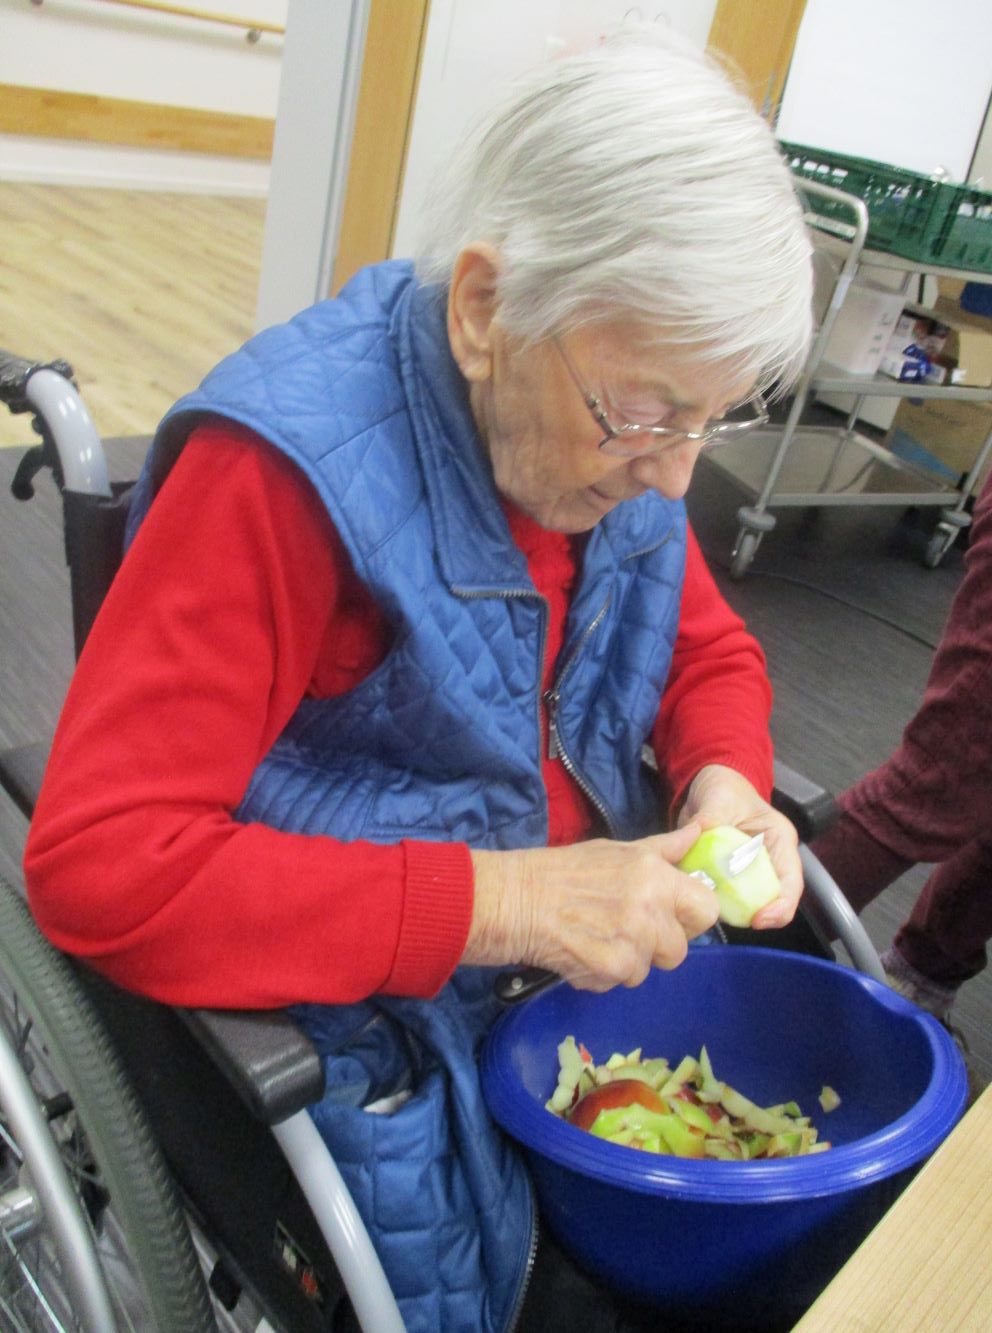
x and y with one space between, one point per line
719 795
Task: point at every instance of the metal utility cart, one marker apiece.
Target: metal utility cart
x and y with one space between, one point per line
919 226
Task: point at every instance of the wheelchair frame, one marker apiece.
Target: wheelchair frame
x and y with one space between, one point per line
268 1063
272 1069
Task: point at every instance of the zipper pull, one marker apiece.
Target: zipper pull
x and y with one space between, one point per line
551 704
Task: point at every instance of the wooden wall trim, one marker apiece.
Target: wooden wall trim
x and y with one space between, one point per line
383 117
54 114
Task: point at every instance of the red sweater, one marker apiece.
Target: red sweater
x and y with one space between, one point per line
134 860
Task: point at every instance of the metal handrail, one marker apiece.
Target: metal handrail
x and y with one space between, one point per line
253 29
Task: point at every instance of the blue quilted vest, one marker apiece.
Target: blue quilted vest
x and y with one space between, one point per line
442 741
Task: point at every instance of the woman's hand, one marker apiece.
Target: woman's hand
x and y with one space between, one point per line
719 795
599 913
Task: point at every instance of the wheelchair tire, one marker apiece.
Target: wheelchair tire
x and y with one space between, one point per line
107 1171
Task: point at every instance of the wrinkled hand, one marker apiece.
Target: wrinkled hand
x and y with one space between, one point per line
600 913
719 795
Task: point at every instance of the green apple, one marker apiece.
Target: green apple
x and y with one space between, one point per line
740 895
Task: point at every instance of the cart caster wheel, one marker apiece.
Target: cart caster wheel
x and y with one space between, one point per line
743 554
939 544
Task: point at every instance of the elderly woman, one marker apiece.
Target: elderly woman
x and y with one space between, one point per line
411 588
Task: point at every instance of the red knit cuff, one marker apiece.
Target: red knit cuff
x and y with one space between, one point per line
437 913
753 767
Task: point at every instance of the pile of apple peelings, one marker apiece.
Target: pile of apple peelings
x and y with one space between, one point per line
685 1111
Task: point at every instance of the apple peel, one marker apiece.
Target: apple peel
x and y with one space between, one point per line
666 1112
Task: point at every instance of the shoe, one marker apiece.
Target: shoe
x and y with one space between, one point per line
936 1000
913 985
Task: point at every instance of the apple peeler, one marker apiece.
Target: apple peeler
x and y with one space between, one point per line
737 862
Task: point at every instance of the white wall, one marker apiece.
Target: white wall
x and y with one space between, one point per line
902 81
981 167
905 82
85 46
473 47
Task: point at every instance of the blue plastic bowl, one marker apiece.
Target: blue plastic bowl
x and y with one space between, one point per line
732 1243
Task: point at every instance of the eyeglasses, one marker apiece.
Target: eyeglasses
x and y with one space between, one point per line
626 439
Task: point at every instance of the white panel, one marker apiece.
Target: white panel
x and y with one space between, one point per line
474 47
905 82
314 127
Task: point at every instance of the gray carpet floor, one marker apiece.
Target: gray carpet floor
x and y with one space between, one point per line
848 616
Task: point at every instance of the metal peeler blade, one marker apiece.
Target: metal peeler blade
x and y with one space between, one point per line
744 855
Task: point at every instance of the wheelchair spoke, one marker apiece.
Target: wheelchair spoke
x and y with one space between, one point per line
92 1233
27 1307
31 1288
33 1293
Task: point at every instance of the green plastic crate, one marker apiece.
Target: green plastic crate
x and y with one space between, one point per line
928 221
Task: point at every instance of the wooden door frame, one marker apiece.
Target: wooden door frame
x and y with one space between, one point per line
383 118
758 37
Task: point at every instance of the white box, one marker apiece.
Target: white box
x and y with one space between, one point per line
863 327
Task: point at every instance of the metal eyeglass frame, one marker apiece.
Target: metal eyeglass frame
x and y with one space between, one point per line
614 436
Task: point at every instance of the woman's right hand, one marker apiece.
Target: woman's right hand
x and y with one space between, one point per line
599 913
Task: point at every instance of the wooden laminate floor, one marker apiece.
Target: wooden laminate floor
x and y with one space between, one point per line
143 293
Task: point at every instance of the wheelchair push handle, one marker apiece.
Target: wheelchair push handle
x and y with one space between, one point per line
16 371
71 446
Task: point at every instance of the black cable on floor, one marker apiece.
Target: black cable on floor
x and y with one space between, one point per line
831 596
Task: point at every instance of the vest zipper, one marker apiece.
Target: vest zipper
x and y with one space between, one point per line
556 749
534 1230
518 1304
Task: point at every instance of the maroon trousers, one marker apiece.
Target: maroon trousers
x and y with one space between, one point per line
931 801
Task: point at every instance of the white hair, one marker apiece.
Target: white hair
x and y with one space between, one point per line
634 180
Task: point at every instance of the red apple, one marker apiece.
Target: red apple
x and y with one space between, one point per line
622 1092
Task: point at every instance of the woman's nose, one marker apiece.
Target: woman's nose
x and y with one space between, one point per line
670 471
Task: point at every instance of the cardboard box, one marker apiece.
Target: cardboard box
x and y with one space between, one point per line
921 327
941 435
863 327
967 350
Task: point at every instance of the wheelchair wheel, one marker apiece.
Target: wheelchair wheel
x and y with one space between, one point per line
92 1233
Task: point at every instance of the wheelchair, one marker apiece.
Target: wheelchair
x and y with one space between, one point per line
158 1166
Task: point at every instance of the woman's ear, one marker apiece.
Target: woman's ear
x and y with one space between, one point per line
471 309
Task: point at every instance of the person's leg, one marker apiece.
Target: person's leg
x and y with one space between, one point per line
930 798
945 936
858 860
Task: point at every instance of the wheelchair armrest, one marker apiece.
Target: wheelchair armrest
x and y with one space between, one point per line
810 807
271 1064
